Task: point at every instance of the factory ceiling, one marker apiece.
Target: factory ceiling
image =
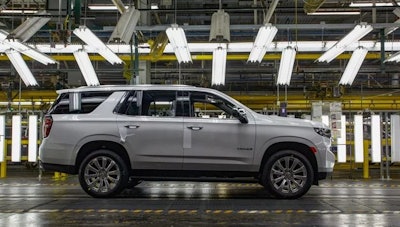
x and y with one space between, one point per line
298 22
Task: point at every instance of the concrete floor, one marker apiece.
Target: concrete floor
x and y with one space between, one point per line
26 201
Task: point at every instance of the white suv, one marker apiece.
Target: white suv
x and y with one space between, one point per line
116 136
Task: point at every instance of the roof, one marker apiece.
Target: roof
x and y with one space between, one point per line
125 87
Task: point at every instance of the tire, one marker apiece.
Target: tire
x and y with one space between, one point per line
132 183
287 175
103 174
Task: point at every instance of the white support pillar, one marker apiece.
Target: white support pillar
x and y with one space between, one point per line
358 139
16 139
341 142
2 137
395 137
376 138
32 138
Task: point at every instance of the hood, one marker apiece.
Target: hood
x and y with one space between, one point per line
273 119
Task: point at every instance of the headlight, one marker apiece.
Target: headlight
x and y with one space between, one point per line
326 132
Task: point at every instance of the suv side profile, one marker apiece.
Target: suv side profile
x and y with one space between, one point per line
114 137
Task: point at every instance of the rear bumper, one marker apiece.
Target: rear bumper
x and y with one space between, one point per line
59 168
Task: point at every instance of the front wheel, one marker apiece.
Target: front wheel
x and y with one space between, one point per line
287 175
103 174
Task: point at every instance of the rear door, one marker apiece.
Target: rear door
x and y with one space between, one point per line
151 131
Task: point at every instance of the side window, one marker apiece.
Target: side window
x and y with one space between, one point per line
159 103
151 103
207 105
131 104
89 101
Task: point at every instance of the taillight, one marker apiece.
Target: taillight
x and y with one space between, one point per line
48 122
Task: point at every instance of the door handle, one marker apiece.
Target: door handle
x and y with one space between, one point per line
195 128
132 126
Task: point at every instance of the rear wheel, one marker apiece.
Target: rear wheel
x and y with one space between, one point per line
287 175
103 174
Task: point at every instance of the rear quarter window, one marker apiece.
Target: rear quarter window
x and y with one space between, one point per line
89 102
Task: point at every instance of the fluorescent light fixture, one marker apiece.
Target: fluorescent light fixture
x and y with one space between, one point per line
358 139
389 30
104 7
395 137
25 49
341 141
93 41
21 67
220 27
376 138
21 103
177 39
2 137
219 66
30 26
86 67
154 6
263 40
355 35
370 4
394 57
30 52
19 11
126 25
330 13
353 66
16 138
286 66
32 138
120 5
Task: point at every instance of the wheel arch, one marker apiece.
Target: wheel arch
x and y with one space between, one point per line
92 146
295 146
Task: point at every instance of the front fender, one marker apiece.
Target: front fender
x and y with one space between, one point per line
281 139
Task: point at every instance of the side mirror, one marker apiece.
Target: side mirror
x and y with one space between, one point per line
241 115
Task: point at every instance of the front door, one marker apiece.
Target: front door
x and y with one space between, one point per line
213 139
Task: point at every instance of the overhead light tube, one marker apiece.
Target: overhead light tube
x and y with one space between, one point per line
126 25
25 49
330 13
19 64
177 39
86 67
263 40
219 66
93 41
358 32
30 26
394 57
286 66
353 66
370 4
30 52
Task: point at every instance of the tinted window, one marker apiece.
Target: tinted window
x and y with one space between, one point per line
89 102
156 104
205 105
